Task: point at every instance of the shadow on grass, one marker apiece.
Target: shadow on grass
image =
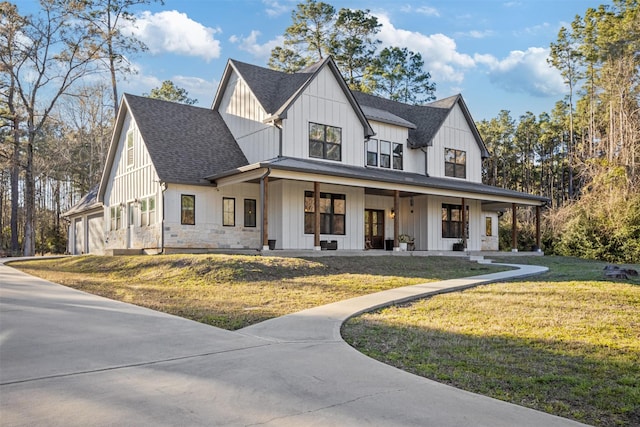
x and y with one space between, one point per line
595 385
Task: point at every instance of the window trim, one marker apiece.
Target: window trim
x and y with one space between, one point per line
456 233
225 212
459 167
325 144
331 219
182 209
251 215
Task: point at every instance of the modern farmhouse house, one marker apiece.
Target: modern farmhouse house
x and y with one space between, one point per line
300 162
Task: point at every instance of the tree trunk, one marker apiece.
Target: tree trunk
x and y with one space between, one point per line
29 244
15 185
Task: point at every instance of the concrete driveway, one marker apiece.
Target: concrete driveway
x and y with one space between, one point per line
68 358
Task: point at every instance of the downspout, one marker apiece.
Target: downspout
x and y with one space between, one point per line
163 188
262 210
279 127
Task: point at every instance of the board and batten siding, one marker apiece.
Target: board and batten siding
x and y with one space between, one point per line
323 102
286 219
244 117
455 133
136 181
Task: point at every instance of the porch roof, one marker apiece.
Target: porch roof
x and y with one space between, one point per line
376 178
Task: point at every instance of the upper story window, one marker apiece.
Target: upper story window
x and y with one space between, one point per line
325 142
397 156
372 152
130 148
455 163
390 155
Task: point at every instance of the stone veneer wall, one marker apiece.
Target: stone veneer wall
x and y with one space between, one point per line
210 237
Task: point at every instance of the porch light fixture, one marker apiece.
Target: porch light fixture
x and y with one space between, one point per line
392 214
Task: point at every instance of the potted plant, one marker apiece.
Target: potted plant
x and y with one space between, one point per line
459 246
404 240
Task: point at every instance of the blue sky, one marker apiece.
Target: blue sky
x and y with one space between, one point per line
493 52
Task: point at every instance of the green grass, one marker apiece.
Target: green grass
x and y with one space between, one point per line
234 291
566 342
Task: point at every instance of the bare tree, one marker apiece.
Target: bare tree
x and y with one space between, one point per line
52 51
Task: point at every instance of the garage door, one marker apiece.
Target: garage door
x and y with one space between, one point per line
96 235
78 237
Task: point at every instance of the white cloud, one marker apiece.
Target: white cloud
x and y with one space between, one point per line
174 32
274 8
524 71
200 89
438 51
250 44
423 10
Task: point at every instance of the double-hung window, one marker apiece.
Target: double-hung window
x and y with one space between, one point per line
188 209
228 212
325 142
385 154
333 210
249 212
116 217
455 163
372 152
147 211
397 156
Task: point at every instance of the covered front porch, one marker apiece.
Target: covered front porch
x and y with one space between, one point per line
305 202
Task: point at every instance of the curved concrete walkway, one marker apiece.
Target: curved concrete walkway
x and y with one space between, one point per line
69 358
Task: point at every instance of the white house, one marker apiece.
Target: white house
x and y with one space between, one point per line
293 161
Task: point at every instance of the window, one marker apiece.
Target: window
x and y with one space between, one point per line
488 227
116 217
385 154
333 210
455 163
325 142
188 209
452 221
397 156
228 212
147 211
372 152
130 148
249 213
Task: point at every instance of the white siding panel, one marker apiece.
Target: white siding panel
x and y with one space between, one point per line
291 219
455 133
244 116
323 102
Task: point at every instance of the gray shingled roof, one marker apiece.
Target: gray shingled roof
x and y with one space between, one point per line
186 143
385 117
272 88
87 203
427 118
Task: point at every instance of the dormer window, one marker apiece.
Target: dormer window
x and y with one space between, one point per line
455 163
325 142
390 155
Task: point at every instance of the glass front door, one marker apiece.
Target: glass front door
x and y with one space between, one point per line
374 229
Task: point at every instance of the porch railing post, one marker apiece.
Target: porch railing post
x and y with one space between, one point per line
396 220
316 216
514 228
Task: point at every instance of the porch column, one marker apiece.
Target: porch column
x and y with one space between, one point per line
514 229
464 224
265 209
316 216
396 220
538 243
